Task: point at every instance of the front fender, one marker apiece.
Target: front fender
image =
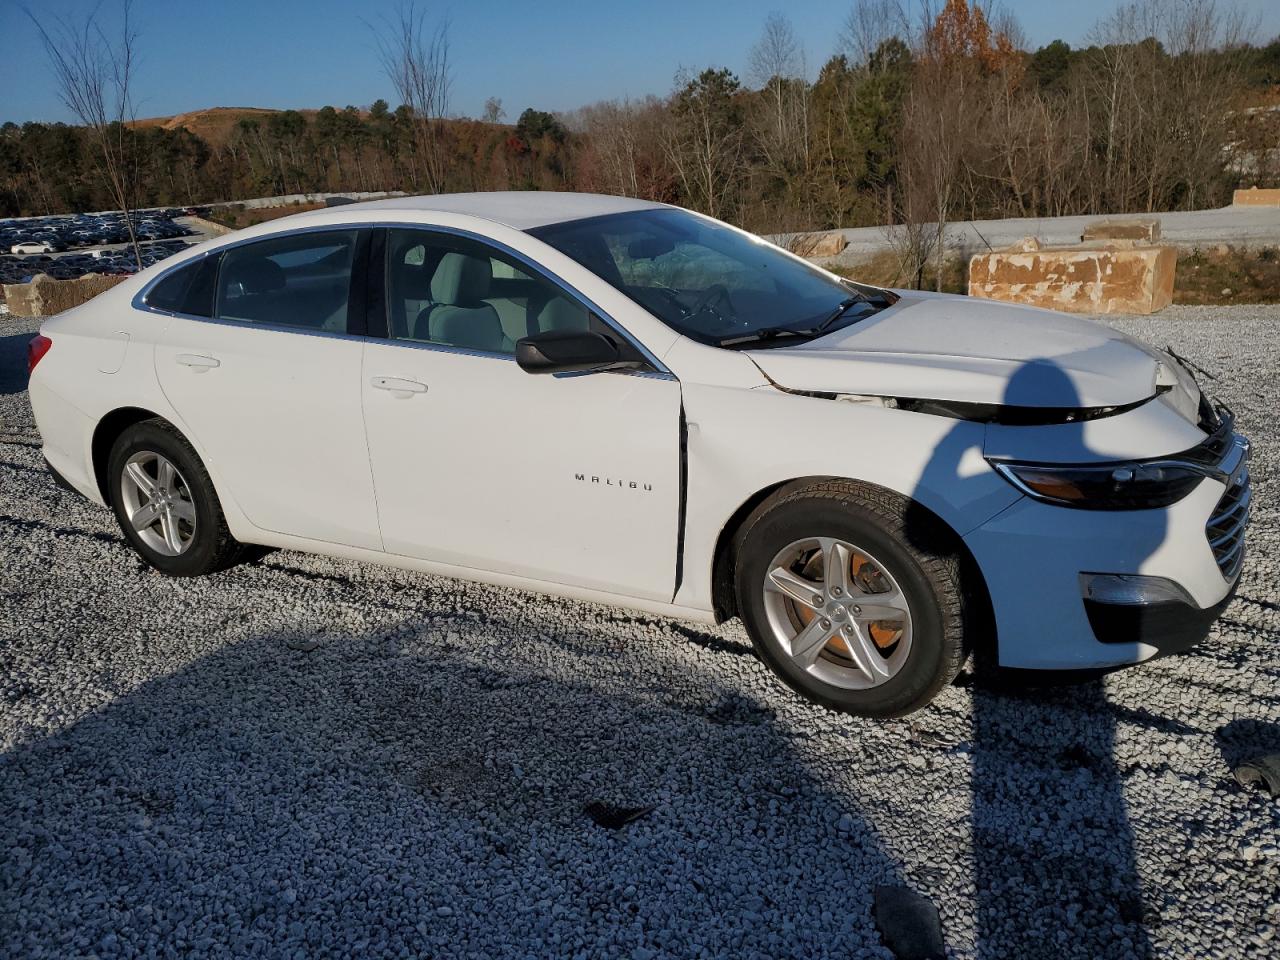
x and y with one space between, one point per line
741 442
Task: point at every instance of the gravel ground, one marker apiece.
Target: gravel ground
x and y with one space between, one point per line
304 757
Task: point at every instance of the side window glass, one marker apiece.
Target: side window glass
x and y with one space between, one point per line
188 289
302 280
458 292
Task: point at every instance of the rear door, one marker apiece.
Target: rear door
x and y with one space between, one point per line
269 384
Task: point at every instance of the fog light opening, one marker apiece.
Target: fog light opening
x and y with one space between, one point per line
1131 589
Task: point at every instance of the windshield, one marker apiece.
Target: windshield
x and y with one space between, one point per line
710 282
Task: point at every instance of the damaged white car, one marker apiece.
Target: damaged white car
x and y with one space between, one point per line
629 403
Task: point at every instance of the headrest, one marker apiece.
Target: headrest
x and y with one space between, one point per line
257 275
461 280
414 282
562 314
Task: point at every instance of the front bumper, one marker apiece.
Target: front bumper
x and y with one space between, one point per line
1169 626
1033 554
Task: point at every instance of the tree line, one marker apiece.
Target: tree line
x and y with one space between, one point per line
921 118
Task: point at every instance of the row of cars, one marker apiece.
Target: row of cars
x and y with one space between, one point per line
35 246
76 231
120 261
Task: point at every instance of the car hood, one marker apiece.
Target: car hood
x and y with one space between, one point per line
969 350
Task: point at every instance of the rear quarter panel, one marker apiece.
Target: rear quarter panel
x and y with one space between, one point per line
103 359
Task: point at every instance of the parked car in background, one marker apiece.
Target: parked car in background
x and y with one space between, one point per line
630 403
31 246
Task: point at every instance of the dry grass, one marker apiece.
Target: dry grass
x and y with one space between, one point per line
237 217
1224 275
883 270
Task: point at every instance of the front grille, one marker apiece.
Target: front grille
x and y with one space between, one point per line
1225 529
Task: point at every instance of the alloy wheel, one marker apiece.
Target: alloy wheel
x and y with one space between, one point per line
837 612
158 503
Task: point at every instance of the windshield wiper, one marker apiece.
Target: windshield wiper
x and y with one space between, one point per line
808 333
764 333
840 311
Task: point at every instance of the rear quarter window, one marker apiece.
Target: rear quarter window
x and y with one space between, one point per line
189 289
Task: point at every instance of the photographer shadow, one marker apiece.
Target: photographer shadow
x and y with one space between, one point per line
1052 871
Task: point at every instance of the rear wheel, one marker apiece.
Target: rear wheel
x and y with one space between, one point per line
165 503
852 598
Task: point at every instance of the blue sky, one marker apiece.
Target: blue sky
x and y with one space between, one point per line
549 55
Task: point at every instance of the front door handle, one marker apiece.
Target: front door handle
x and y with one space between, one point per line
401 389
197 362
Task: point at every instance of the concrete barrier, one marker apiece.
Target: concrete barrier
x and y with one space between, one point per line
1140 231
1113 278
44 296
1253 197
205 227
297 199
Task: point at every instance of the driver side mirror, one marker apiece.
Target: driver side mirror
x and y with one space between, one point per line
565 351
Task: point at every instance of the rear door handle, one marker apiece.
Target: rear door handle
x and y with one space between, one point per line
401 389
197 362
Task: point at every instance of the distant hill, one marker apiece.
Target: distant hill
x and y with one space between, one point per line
215 124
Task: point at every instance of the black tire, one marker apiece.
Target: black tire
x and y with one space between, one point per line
212 547
907 541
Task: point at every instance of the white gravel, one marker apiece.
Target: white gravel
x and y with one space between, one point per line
180 778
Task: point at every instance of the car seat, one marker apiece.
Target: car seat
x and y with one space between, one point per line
459 315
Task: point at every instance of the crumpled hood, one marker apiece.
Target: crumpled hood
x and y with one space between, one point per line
971 350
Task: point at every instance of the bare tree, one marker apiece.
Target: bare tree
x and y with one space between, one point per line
777 54
624 139
869 24
415 57
1165 87
493 112
703 139
94 75
777 66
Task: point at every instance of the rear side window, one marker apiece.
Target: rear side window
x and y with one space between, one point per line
188 289
302 280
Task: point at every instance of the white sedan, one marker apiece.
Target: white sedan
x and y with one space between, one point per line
31 246
629 403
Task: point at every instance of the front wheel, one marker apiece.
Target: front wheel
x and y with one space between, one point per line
852 598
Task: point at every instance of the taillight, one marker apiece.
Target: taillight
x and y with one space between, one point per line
37 347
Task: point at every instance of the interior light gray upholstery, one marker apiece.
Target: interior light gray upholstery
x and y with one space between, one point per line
461 280
563 314
459 315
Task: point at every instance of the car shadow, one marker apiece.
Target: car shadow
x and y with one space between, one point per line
1047 864
392 795
13 362
1246 739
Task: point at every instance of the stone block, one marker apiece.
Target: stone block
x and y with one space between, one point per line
1253 197
44 296
816 246
1108 279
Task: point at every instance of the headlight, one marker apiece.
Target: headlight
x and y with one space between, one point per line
1108 486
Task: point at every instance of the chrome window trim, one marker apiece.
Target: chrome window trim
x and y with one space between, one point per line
139 301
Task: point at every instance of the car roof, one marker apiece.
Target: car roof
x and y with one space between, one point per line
521 210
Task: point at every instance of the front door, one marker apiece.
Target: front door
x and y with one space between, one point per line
568 479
